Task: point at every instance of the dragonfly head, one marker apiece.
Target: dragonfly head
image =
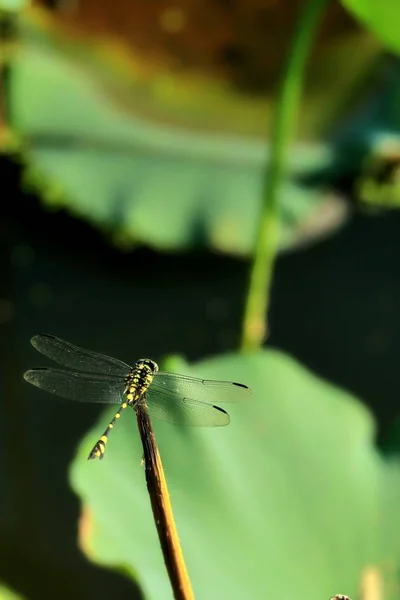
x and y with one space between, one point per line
150 364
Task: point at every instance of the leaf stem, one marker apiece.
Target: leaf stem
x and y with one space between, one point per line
255 330
162 509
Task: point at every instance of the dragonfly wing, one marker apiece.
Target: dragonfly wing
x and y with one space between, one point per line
82 387
69 355
201 390
164 406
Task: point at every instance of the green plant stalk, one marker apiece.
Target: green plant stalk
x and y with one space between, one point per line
255 330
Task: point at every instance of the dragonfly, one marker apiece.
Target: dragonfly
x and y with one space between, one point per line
94 377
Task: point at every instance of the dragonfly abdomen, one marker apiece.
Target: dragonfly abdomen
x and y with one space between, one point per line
137 383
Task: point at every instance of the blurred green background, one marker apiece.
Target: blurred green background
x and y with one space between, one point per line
135 138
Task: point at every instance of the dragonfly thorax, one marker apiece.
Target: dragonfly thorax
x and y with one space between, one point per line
147 364
139 379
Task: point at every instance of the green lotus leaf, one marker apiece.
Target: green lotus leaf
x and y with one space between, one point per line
7 594
382 18
292 500
144 180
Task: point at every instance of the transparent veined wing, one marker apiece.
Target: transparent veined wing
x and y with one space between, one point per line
201 390
82 387
69 355
192 401
167 406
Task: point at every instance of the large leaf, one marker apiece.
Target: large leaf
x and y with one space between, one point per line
381 17
290 501
12 4
140 175
7 594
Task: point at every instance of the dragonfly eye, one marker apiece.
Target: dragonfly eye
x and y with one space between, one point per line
151 364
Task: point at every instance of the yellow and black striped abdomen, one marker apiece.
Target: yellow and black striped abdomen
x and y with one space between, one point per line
137 383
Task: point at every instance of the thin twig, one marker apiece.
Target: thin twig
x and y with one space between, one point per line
258 297
162 509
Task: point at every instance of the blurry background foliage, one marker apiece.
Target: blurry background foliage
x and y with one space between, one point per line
7 594
150 123
380 18
124 117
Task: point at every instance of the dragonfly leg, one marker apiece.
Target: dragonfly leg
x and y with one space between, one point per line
100 447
